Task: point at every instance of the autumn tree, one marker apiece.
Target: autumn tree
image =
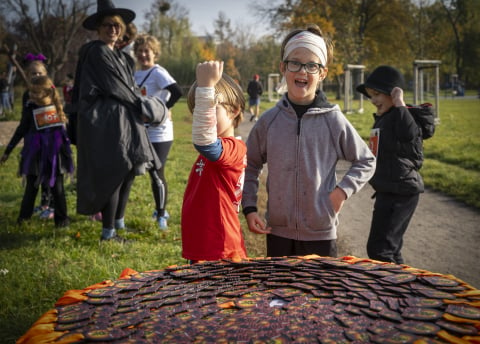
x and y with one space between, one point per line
462 18
240 48
3 35
225 48
180 49
396 32
364 31
261 56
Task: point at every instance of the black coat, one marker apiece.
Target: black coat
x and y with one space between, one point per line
111 137
400 153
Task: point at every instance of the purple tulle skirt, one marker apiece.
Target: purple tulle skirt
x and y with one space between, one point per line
46 154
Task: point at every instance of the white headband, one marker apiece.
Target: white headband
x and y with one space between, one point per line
311 41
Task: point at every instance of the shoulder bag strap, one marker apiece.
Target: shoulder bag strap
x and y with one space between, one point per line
146 76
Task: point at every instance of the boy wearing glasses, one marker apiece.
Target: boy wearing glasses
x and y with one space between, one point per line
301 139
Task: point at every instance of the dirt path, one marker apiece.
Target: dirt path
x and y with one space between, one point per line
443 237
6 132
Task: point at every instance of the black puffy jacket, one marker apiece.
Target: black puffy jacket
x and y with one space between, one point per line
400 153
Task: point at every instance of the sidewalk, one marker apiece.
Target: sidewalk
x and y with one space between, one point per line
6 131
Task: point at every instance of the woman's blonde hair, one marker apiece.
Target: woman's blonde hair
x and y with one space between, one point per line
315 29
230 95
149 41
45 84
117 19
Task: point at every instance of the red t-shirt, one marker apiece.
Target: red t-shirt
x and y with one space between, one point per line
210 224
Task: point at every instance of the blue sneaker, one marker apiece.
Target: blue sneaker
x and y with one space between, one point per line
162 223
47 214
39 209
155 215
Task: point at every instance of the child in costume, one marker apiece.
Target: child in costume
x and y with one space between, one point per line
36 66
46 155
210 225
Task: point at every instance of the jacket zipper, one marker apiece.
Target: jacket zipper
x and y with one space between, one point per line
299 125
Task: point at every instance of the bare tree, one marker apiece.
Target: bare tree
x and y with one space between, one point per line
47 26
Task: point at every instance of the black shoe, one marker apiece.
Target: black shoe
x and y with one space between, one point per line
251 118
21 221
63 223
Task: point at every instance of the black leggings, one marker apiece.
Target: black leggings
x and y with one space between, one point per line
115 208
46 199
30 194
162 149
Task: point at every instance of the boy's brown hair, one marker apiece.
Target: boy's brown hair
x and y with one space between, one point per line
230 95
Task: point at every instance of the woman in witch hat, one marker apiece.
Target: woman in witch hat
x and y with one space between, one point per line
111 138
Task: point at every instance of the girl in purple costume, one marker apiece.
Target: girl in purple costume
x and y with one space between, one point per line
46 155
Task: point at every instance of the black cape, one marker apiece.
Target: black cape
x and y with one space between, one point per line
110 134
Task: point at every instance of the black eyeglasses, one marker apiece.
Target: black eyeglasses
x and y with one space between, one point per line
310 67
115 26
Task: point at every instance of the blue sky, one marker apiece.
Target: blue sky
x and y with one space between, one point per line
202 13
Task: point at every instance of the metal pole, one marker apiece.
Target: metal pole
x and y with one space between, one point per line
437 93
415 83
362 75
346 100
421 85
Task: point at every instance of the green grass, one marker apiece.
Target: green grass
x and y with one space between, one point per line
44 262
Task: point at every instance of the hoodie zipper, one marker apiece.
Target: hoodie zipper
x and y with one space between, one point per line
299 125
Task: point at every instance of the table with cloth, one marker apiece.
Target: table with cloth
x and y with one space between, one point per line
308 299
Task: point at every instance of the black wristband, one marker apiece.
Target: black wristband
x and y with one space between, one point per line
248 210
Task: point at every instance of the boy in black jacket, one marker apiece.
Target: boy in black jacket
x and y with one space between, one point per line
396 141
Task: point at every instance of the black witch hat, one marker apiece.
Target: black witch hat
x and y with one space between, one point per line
107 8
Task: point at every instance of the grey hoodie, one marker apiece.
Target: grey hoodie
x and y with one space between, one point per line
302 154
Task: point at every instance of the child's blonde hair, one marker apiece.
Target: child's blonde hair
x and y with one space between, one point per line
149 41
45 84
35 66
230 95
315 29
